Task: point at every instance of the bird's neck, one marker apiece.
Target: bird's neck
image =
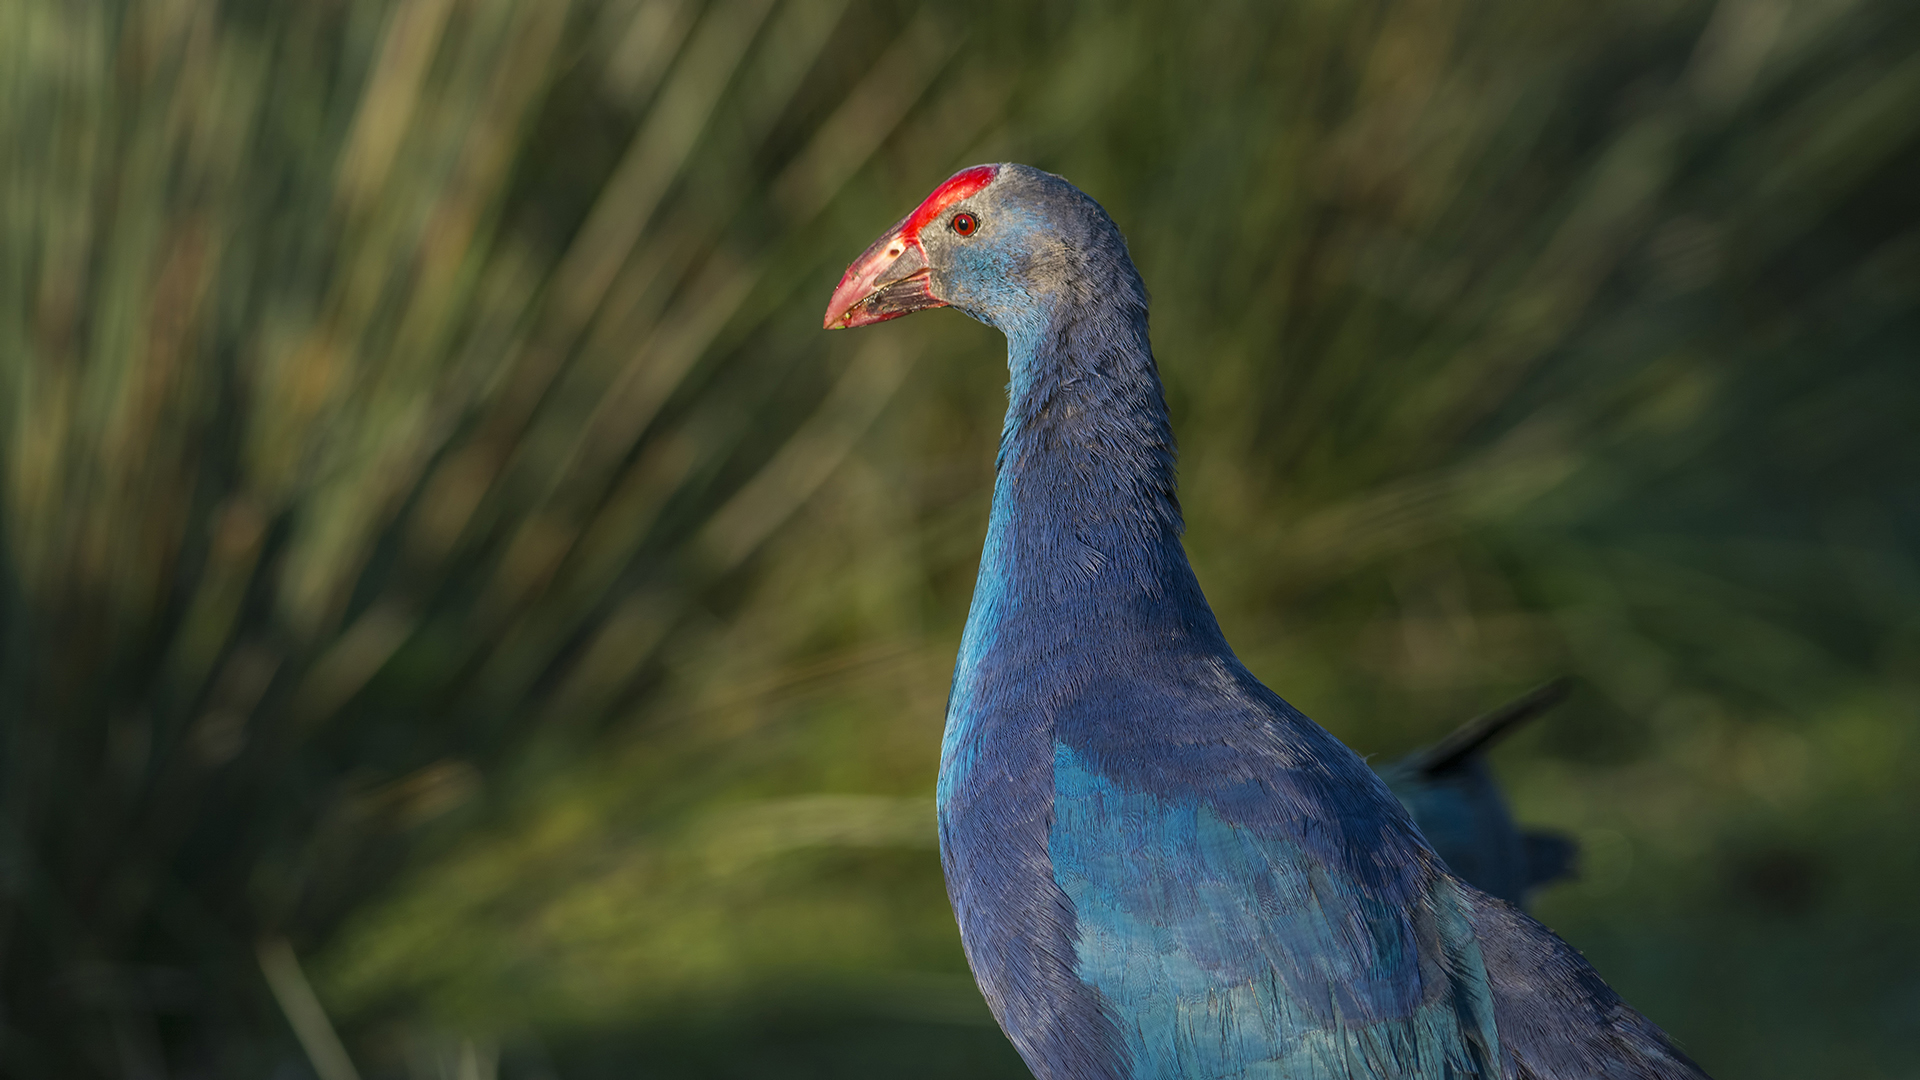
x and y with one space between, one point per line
1083 564
1086 453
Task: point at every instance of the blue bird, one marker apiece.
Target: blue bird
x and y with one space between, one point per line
1161 869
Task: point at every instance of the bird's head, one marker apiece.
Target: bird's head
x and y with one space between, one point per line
1002 243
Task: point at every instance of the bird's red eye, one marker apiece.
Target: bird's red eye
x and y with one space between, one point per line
964 224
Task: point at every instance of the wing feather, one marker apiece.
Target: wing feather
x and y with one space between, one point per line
1235 954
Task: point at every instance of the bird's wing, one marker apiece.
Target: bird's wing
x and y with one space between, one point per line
1229 949
1254 903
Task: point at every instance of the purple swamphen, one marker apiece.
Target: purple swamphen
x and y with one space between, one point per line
1160 869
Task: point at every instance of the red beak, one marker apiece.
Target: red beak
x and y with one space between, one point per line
887 281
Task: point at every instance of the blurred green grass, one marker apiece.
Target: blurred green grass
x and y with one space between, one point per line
436 537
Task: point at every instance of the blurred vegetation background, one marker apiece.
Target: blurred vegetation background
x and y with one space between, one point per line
463 619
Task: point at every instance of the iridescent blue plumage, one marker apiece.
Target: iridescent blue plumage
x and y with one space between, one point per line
1160 869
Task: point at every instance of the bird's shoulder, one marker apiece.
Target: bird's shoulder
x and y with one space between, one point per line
1204 732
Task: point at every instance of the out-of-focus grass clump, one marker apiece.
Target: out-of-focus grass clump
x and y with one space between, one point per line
462 618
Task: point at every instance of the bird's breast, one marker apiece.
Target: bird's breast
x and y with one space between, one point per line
1017 926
